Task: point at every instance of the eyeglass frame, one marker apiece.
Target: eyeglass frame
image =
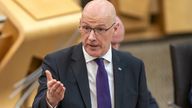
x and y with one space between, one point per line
96 29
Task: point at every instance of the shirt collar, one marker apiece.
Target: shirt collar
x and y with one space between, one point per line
107 56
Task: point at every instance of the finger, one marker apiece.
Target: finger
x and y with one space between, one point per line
60 89
51 87
51 83
61 93
56 86
48 75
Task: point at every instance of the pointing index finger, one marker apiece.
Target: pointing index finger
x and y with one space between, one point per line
48 75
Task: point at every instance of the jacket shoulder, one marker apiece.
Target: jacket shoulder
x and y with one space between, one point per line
62 53
127 56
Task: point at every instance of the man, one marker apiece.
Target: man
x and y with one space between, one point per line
76 77
118 35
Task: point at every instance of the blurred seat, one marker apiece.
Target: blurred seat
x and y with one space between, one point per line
181 57
7 38
5 43
32 29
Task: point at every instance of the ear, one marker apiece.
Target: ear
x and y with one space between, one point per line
116 27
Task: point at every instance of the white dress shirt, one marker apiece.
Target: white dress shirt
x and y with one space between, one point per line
92 71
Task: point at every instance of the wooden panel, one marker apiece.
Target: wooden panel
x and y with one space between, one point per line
177 16
116 5
5 43
35 38
7 38
135 14
2 18
41 9
134 25
1 26
136 8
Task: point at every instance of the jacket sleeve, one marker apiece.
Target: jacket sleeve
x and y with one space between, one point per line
190 96
152 102
40 99
143 99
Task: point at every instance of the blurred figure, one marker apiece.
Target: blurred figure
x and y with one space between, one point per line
119 35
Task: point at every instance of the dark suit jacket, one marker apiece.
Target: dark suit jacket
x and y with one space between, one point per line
190 95
68 66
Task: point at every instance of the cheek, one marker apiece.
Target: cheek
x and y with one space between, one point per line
106 41
83 38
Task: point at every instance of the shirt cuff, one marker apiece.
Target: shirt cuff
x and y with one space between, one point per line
49 105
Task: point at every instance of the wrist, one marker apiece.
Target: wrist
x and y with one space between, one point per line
51 101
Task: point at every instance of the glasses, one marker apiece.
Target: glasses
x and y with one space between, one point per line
98 30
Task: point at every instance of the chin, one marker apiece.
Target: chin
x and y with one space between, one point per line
94 53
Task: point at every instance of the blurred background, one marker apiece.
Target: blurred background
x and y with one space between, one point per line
29 29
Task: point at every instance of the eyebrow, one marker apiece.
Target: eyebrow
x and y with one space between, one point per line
99 25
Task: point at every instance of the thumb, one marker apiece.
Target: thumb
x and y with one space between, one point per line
48 75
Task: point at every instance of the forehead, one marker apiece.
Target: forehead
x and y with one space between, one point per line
98 12
95 19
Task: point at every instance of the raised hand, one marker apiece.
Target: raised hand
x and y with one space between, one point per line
55 90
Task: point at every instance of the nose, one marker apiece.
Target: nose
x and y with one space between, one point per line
92 35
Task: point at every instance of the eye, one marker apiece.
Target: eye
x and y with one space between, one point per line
86 27
100 30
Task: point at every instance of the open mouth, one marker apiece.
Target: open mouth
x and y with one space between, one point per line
93 45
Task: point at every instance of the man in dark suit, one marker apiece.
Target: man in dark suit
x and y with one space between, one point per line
70 76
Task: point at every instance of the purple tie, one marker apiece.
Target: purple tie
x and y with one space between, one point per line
102 85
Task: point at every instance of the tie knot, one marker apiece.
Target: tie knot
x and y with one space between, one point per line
99 61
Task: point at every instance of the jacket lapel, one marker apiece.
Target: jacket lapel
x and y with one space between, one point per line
80 72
